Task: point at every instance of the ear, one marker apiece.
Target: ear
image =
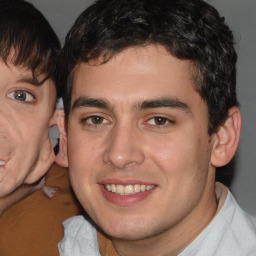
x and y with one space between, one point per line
227 139
61 158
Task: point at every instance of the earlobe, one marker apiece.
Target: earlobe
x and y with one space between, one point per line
61 158
227 139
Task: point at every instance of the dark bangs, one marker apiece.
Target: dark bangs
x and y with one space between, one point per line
27 39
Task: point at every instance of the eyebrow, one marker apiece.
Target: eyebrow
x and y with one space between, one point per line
147 104
164 103
32 80
90 102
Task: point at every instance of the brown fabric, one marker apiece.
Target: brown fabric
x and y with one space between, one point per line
32 227
105 245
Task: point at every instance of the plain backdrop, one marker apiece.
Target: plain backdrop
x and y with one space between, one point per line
240 15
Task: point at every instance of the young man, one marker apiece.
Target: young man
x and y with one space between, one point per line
151 112
29 86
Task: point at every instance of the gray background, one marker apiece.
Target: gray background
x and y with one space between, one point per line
241 17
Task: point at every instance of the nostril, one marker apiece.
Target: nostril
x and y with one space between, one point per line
131 164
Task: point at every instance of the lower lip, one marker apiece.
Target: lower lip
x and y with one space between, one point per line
125 199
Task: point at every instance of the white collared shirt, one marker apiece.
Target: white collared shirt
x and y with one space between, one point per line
230 233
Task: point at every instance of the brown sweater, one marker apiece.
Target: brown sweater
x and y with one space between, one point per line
105 245
32 227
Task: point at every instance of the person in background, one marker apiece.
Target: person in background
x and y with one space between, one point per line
29 87
150 113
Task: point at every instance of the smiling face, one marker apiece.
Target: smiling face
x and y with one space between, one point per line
25 112
138 149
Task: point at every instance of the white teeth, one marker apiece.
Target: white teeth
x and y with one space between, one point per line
108 187
136 188
119 189
142 188
2 163
148 187
113 188
127 189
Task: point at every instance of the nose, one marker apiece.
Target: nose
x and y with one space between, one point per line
124 148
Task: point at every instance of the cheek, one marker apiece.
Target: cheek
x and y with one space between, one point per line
82 160
183 157
81 148
169 154
34 126
84 156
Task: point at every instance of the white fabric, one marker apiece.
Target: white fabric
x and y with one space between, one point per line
80 238
230 233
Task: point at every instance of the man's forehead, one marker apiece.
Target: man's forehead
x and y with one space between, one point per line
151 64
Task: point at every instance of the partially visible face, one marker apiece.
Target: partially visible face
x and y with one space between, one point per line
138 148
25 112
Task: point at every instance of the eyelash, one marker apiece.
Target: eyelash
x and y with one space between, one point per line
25 92
84 121
167 122
88 121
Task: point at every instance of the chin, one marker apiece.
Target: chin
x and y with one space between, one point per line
124 235
124 230
6 190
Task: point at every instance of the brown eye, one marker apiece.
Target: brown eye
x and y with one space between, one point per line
159 120
97 119
94 120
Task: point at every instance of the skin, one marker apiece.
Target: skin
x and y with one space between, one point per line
26 111
138 120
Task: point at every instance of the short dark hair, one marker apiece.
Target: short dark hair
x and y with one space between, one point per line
25 33
188 29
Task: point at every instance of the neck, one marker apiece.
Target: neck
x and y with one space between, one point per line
174 240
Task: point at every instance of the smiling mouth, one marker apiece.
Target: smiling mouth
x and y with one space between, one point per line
2 163
127 189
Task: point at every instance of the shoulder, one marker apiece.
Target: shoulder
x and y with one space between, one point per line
230 232
240 234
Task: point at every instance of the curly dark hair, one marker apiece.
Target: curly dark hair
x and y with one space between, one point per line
28 36
188 29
